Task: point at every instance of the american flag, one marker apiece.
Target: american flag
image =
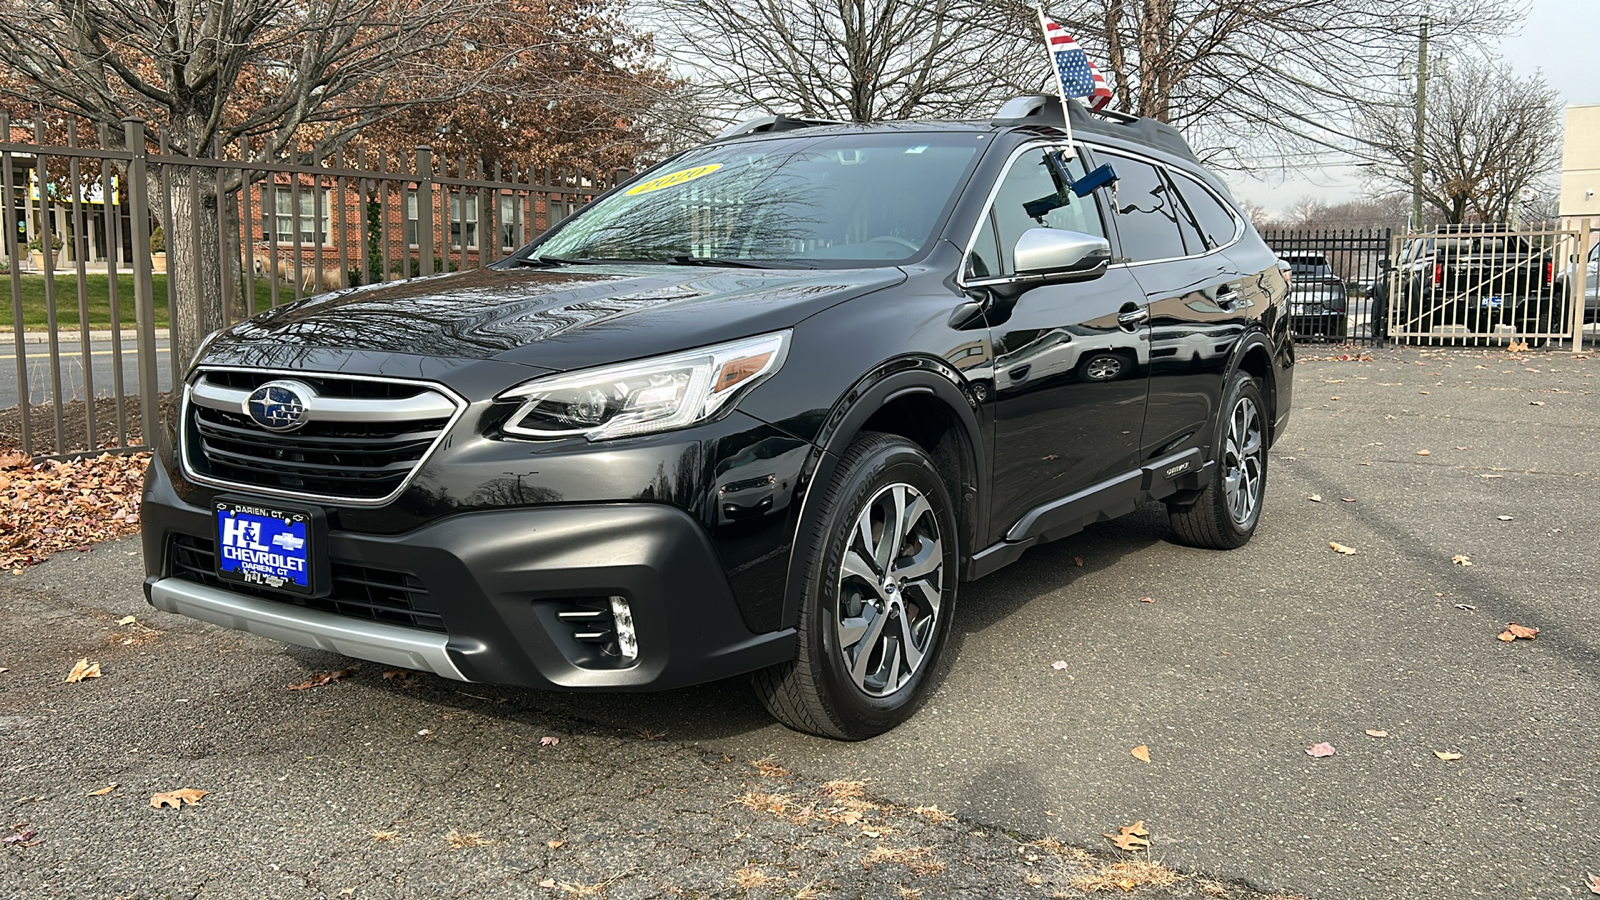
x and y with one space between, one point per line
1078 76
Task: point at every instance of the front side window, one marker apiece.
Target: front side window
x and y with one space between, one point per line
855 199
1030 178
1147 212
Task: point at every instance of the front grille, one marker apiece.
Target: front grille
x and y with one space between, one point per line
361 592
365 457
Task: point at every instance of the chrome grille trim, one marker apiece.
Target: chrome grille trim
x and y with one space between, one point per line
426 405
457 408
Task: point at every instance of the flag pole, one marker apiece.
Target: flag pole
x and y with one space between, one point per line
1061 89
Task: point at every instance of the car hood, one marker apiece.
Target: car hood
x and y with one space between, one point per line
552 319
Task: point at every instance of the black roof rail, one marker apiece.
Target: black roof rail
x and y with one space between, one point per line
770 124
1045 109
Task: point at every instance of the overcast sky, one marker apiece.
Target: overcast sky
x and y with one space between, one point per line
1559 38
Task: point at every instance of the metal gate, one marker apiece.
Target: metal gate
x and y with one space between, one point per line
1490 285
1333 275
88 359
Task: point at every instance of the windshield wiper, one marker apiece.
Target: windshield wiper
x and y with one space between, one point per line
684 259
550 262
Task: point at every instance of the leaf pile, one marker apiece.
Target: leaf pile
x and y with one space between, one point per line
59 505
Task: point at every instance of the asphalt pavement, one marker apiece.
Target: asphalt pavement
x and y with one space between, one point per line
1463 766
102 366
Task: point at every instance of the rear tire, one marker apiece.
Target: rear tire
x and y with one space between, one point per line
879 588
1225 514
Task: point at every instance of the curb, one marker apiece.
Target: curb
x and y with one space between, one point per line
71 337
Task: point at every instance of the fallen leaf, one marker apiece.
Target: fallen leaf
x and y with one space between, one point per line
1059 665
1315 498
127 620
20 837
1424 452
83 669
1348 499
1466 606
1535 402
425 732
1132 838
548 883
393 674
1503 518
176 799
548 741
1320 750
322 679
1340 548
1461 559
1517 346
1147 600
1077 561
1514 631
1373 733
1593 884
1141 753
103 791
1447 757
554 845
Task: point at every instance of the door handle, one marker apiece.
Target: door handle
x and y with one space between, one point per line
1131 318
1227 297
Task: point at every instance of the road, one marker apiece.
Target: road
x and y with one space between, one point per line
1239 663
102 365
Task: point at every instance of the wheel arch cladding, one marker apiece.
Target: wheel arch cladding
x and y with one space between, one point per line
924 403
1256 362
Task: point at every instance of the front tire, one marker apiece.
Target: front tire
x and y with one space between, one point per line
879 588
1225 514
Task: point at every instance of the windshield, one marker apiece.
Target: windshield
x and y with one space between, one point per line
858 199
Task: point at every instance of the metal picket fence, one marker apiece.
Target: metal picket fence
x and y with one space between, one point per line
1333 274
92 301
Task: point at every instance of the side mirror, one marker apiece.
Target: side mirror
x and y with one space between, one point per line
1053 254
1383 264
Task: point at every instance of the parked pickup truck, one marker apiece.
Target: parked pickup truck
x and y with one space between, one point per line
1478 276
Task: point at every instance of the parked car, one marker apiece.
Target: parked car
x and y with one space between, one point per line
1318 304
1476 276
710 425
1565 282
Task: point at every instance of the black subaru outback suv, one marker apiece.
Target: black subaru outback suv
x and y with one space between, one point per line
759 410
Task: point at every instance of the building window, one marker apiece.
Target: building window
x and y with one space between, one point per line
286 223
510 207
464 220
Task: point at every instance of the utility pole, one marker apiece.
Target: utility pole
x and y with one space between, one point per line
1418 132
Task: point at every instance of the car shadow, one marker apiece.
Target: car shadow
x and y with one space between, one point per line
729 707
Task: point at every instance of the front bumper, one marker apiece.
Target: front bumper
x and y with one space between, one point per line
496 584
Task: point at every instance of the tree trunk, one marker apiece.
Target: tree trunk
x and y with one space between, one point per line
194 256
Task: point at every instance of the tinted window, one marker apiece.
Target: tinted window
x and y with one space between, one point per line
1031 179
1216 222
1147 216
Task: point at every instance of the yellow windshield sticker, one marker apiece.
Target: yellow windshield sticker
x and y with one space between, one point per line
673 179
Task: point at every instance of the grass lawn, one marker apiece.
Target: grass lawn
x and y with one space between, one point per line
33 306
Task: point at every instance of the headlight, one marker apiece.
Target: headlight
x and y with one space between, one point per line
644 397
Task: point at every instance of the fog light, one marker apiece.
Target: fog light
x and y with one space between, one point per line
627 638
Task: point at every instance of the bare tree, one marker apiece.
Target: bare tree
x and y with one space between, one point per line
1268 82
857 60
1490 137
298 77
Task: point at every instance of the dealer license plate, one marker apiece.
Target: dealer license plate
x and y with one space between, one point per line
1491 302
269 547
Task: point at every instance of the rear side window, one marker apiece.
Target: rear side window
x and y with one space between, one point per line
1216 222
1147 212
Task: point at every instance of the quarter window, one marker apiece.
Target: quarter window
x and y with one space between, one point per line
1147 212
1216 222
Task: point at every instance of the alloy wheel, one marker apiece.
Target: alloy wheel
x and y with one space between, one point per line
890 584
1243 461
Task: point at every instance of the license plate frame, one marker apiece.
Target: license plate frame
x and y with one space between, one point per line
272 546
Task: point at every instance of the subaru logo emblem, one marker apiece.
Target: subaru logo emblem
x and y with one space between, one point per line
279 405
